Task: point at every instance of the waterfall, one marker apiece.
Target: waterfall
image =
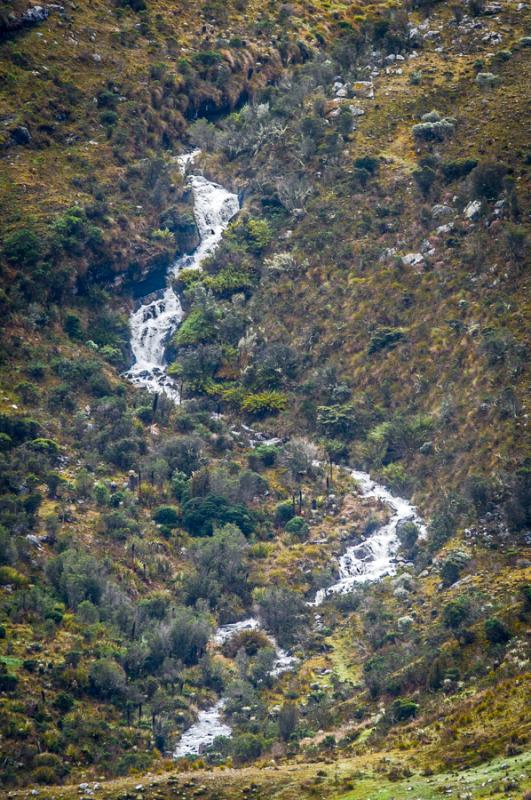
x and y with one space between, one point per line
156 319
373 558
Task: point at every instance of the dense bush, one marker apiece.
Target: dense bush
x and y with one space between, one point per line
497 631
282 612
487 180
167 515
458 168
298 527
384 339
403 709
201 514
23 247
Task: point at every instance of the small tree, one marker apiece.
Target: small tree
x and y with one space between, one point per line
287 720
497 631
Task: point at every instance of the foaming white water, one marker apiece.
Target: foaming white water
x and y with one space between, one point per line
157 319
210 723
373 558
202 733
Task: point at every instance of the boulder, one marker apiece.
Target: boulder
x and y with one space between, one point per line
473 210
413 260
363 89
441 211
35 14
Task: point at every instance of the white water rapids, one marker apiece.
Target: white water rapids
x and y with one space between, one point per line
374 558
157 319
152 324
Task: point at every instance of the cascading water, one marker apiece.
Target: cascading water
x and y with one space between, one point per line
152 324
373 558
210 723
155 320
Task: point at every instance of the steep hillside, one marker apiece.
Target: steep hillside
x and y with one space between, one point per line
366 309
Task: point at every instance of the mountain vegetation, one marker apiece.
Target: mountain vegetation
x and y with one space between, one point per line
366 308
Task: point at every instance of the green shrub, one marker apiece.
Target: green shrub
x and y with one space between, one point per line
284 512
109 117
396 477
456 612
263 403
368 163
23 248
47 446
246 747
64 702
36 370
72 326
263 456
497 631
487 180
27 392
298 527
424 178
385 338
403 709
436 131
458 168
197 327
167 515
201 514
452 565
44 776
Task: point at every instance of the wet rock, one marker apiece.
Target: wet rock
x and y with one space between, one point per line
35 14
473 210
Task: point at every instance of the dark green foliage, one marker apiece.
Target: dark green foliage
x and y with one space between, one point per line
458 168
441 528
287 720
298 527
107 679
72 326
487 180
109 117
450 572
283 612
220 569
201 514
167 515
456 612
64 702
263 456
8 682
284 512
19 429
403 709
425 177
497 631
408 535
368 163
247 747
23 248
385 338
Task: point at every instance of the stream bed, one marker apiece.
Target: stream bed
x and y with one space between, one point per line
152 324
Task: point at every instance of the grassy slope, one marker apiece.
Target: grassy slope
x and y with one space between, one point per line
434 365
38 183
355 779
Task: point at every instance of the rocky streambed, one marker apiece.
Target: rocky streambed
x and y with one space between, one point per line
152 324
